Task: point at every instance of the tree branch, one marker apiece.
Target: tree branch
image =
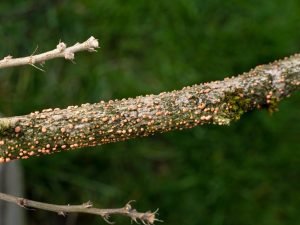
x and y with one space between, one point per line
219 102
61 50
144 217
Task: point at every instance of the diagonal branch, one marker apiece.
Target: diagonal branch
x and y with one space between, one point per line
61 50
218 102
144 217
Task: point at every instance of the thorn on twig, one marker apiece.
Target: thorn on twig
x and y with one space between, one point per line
31 64
106 219
7 58
133 219
36 48
61 213
88 204
128 207
32 60
147 218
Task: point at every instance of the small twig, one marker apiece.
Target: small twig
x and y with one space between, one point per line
146 218
61 50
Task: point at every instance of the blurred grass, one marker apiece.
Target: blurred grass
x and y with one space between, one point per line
246 173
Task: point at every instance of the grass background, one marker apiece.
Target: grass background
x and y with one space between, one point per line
247 173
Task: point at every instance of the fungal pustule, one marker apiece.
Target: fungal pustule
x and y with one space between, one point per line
17 129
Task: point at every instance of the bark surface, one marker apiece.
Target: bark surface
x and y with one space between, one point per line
218 102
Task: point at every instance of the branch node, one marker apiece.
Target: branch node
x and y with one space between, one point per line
31 60
69 55
21 202
61 46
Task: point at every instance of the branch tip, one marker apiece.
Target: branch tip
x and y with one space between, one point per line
92 43
61 50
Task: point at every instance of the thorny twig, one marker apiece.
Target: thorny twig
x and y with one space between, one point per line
146 218
61 50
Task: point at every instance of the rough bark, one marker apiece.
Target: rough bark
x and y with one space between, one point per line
218 102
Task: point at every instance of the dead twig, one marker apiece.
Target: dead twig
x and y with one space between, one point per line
61 51
146 218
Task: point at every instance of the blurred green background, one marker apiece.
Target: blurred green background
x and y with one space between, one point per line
247 173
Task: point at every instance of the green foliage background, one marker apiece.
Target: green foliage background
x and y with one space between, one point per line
247 173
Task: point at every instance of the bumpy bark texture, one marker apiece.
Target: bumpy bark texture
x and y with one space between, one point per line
219 102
